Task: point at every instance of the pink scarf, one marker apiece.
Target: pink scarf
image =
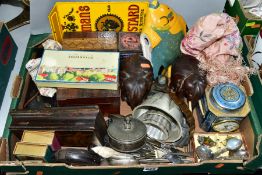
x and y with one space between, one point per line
216 42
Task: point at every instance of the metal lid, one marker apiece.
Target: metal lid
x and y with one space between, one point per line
126 129
228 96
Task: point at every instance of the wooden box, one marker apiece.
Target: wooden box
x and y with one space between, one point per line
106 41
107 100
73 125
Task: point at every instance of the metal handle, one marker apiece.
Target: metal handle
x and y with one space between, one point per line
127 124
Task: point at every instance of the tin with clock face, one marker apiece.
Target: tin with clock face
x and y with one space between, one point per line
222 108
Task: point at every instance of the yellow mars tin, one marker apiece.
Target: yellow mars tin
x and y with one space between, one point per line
126 16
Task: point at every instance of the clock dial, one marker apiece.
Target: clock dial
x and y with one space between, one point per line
225 126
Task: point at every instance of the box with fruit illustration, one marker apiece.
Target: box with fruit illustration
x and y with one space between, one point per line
78 69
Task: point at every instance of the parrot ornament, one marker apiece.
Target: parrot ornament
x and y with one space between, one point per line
161 36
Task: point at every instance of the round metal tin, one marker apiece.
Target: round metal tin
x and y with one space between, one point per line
228 96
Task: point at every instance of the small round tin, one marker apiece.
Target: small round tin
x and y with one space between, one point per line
228 96
126 134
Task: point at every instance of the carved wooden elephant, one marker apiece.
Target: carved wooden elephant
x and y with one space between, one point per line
136 78
187 80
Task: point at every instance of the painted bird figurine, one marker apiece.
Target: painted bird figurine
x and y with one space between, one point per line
161 36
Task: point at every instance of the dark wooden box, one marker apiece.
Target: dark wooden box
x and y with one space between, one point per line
107 100
74 126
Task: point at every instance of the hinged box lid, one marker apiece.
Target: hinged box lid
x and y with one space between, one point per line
8 50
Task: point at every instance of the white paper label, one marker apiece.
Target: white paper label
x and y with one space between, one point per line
150 169
231 2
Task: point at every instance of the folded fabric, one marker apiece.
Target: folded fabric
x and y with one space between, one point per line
216 42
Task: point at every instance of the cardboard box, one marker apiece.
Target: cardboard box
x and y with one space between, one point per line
78 69
256 80
8 51
32 151
247 23
250 129
216 141
3 149
97 16
41 137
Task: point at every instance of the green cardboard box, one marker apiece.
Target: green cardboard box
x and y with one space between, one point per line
8 51
255 79
247 23
250 128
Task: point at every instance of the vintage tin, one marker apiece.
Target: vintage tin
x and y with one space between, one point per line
95 41
222 108
97 16
126 134
129 42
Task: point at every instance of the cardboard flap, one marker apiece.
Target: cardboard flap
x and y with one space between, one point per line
8 50
38 39
3 149
17 85
1 25
12 166
257 159
248 86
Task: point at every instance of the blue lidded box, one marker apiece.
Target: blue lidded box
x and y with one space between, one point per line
222 108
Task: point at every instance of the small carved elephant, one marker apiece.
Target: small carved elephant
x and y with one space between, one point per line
136 78
187 80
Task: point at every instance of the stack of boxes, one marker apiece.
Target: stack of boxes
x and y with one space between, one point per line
36 145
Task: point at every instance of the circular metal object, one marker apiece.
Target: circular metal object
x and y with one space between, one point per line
204 153
126 134
233 144
228 96
158 124
163 118
241 154
124 159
